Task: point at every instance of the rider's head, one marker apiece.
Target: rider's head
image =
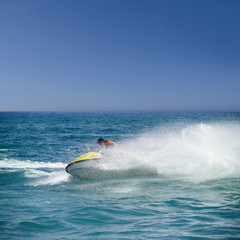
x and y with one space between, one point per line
100 141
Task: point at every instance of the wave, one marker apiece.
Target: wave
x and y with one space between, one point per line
50 173
17 164
3 149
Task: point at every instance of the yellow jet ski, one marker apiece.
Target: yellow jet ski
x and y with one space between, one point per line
87 166
82 162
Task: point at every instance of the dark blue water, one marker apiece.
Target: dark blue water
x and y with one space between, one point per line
194 193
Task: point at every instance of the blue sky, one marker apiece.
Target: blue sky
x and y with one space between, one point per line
116 55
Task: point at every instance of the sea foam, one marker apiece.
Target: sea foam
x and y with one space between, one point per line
18 164
39 173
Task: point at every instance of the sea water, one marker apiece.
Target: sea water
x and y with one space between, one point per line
193 192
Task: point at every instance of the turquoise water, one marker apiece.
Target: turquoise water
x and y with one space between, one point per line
194 192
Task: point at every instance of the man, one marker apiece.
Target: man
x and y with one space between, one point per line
106 143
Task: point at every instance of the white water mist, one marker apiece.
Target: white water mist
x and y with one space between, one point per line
195 151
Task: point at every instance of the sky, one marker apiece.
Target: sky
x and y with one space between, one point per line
119 55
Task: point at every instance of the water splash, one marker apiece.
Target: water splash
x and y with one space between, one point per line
47 178
198 151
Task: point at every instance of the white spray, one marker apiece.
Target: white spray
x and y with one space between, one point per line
199 151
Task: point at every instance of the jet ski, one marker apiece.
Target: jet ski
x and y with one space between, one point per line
78 165
89 166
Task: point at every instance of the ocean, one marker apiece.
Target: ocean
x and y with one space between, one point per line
193 192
